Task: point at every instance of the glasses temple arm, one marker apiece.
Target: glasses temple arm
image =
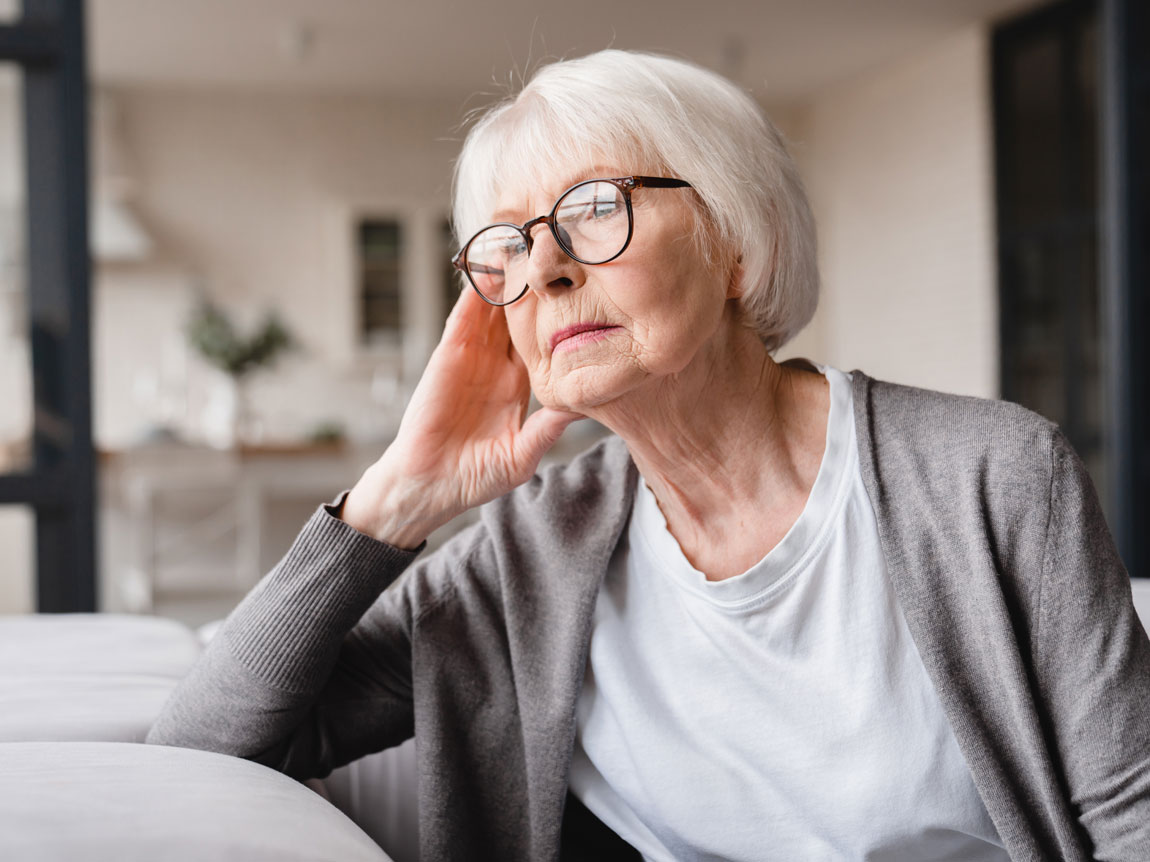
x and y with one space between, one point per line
482 269
659 183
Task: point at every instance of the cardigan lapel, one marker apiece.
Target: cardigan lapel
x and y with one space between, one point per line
924 488
550 620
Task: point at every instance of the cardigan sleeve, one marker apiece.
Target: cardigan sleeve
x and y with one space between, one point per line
293 679
1096 660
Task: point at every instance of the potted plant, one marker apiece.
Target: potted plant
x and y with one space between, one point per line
213 335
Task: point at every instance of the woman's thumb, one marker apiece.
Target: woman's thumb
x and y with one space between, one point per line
540 431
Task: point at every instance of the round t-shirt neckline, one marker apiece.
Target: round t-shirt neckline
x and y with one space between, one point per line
796 549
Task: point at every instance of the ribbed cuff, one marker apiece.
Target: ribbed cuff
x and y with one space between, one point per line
289 629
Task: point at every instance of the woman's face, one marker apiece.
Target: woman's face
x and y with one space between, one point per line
592 334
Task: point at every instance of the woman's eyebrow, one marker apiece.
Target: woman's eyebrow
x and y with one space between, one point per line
595 172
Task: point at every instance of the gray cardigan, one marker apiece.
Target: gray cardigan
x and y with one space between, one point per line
1000 558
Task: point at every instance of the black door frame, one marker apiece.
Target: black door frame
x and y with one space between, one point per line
47 41
1125 269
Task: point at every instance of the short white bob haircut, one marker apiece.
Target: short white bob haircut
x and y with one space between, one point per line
650 114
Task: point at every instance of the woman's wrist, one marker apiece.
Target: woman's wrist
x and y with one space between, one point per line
378 508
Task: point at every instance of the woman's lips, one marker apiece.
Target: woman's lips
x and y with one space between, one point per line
575 336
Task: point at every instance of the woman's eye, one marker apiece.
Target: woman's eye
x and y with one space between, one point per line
593 210
514 248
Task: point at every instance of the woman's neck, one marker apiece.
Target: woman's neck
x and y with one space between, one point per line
730 446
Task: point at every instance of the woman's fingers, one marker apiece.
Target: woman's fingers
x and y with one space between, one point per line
465 430
457 308
470 321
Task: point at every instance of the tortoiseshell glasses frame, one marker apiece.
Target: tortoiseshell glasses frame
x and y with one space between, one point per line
502 232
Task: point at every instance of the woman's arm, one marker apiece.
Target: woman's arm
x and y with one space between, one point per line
287 680
287 660
1095 660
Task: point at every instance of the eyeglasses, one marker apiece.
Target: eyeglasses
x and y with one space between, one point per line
592 222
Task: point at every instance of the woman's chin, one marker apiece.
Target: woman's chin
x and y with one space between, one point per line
580 390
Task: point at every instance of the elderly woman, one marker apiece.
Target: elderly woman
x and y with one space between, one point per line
784 612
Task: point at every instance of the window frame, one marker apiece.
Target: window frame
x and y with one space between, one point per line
47 41
1118 219
421 294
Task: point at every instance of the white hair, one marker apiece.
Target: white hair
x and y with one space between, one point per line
650 113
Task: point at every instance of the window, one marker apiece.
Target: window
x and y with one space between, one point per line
379 246
391 258
1070 84
1047 88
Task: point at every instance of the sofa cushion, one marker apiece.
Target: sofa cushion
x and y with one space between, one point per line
88 676
102 801
97 643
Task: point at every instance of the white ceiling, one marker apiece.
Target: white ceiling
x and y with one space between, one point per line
781 49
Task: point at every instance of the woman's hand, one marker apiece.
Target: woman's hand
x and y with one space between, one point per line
465 437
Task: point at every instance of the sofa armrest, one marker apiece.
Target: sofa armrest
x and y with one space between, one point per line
117 801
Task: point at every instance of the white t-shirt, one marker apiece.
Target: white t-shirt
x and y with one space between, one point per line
780 714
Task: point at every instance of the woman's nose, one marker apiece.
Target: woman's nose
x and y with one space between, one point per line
548 266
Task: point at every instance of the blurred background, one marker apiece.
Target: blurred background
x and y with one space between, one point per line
224 242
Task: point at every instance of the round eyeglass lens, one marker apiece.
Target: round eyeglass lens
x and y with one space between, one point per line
592 221
497 258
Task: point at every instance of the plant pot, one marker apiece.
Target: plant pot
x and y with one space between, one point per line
229 421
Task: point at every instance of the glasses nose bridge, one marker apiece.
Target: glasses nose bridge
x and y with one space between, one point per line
529 227
549 220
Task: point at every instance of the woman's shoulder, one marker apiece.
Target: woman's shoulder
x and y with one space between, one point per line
900 416
947 447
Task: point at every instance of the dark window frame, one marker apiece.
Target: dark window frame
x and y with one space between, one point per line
1117 221
47 42
1125 255
386 290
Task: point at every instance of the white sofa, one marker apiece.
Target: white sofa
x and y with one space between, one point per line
117 801
79 693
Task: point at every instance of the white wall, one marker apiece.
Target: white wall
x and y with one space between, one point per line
898 166
246 195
